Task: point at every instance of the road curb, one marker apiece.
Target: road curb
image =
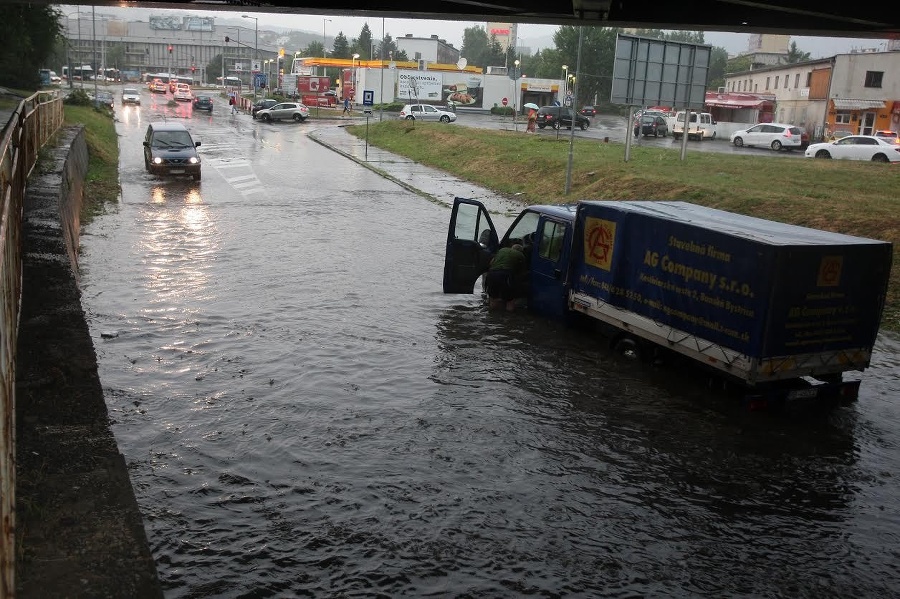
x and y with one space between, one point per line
312 135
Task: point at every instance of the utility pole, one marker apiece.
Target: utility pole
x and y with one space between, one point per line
94 48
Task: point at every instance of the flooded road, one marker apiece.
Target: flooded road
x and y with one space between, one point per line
304 413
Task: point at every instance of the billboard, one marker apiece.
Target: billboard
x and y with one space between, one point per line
415 86
169 23
654 72
199 24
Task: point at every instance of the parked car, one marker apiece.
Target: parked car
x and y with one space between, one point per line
777 136
426 112
588 111
700 126
652 124
183 93
856 147
262 104
888 135
169 149
130 96
106 98
560 116
285 110
202 103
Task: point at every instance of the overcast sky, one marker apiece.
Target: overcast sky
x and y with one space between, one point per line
535 36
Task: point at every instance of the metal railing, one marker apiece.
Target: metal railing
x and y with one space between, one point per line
31 125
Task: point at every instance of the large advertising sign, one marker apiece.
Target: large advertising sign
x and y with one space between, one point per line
199 24
420 86
463 89
167 23
653 72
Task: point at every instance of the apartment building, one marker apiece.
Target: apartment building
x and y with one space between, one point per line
855 93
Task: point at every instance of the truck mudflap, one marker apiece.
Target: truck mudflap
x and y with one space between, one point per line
843 392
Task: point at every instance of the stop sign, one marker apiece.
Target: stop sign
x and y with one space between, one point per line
505 101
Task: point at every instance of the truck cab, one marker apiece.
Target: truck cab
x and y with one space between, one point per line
545 233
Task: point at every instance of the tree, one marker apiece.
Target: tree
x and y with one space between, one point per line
341 47
214 68
29 33
315 48
363 44
738 64
387 49
598 52
795 55
475 45
718 62
115 55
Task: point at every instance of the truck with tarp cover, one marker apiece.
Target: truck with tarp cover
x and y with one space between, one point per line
783 309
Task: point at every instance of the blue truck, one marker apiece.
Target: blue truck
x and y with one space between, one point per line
781 309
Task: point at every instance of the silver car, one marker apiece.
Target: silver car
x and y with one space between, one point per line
426 112
769 135
286 110
131 95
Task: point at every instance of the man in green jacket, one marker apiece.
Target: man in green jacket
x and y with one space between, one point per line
500 282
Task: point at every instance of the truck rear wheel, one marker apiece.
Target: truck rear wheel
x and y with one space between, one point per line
627 347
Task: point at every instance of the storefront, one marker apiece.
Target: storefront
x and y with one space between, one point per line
734 107
861 117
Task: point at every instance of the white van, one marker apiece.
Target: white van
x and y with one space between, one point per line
702 126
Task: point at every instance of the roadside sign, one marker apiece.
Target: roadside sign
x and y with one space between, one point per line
368 97
505 101
568 100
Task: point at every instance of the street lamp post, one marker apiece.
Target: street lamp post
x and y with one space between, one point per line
255 49
565 69
324 50
518 89
353 74
94 48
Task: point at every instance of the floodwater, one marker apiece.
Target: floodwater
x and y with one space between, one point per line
304 413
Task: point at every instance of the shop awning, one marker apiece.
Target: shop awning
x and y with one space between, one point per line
844 104
736 103
735 100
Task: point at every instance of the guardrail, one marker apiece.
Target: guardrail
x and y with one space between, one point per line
32 123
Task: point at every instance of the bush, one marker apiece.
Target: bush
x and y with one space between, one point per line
78 97
502 110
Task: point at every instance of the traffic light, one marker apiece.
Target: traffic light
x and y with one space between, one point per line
170 48
193 69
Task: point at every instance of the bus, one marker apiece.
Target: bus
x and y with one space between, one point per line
168 78
83 73
230 81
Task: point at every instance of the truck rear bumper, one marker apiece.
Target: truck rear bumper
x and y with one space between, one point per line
823 393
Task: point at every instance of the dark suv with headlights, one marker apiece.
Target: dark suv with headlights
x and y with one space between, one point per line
169 149
560 116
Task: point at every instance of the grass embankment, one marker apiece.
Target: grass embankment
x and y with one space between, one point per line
855 198
102 182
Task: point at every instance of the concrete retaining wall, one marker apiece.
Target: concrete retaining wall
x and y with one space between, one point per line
79 529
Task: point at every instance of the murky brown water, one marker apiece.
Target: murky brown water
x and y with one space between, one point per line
305 414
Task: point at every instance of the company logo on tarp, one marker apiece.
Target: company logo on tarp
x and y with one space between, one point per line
830 271
599 238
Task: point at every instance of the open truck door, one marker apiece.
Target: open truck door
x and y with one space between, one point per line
471 243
